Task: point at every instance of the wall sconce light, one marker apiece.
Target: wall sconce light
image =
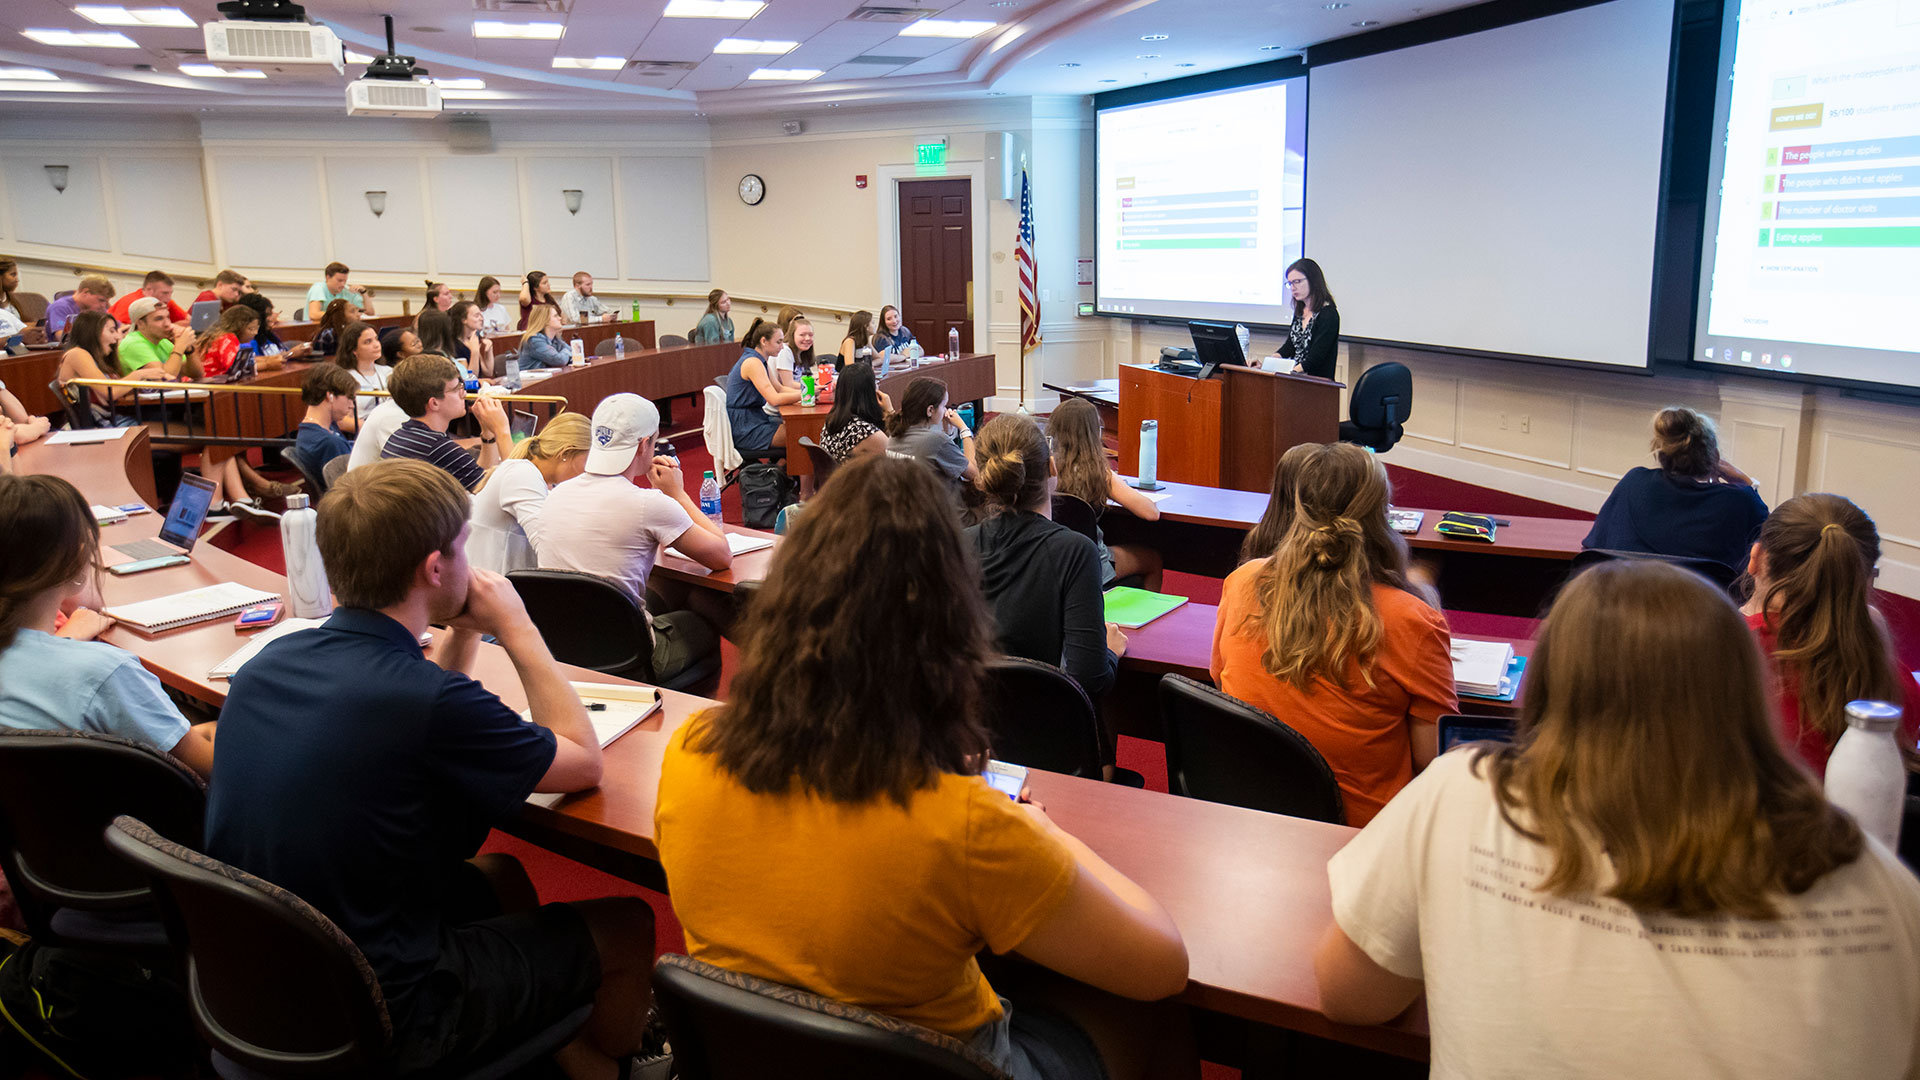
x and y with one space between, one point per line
377 202
572 195
57 176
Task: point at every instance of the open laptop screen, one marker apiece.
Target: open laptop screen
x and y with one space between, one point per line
188 511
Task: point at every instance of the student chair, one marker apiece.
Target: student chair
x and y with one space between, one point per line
727 1026
671 341
316 481
1073 512
1713 570
589 622
58 790
1224 750
1042 719
607 347
1379 405
333 470
823 463
276 989
73 399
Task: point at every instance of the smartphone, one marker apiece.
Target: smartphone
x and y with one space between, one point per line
1011 780
259 615
124 569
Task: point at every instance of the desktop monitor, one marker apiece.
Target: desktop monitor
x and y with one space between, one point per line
1214 344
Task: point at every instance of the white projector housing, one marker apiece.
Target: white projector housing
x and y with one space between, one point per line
392 97
274 45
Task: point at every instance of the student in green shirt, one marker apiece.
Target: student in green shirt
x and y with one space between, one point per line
156 349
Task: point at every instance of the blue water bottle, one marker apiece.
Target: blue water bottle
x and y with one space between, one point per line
710 497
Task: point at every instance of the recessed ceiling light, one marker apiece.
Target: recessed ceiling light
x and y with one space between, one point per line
28 74
87 39
358 58
1336 6
459 84
1368 22
785 74
833 104
1148 56
534 31
209 71
590 63
713 9
748 45
1069 64
115 15
1273 48
1184 65
1004 3
1153 37
946 28
1109 80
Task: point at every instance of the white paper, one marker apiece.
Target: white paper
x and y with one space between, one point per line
227 668
625 707
83 436
737 543
1480 666
108 515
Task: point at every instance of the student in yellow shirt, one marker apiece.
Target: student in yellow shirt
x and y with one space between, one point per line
827 827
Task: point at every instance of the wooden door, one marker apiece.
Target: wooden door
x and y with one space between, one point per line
936 261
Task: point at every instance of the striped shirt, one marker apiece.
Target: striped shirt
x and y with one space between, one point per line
416 440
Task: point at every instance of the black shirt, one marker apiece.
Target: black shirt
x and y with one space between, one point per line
1651 511
357 774
1314 345
1042 581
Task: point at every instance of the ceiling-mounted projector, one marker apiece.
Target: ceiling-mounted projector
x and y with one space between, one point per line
272 35
394 86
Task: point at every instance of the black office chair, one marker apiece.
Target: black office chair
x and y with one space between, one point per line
316 480
276 989
589 622
58 791
1042 719
727 1026
74 400
1713 570
606 347
1073 512
823 463
1379 405
671 341
1224 750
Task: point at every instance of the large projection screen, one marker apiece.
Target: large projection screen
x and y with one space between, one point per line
1498 192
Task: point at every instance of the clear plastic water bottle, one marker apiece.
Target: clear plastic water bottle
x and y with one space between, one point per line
510 377
620 347
1149 455
308 594
953 343
710 497
886 362
1865 775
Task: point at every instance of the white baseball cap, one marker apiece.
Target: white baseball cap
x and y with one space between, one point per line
619 423
142 308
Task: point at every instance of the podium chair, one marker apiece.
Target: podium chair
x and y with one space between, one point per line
1382 400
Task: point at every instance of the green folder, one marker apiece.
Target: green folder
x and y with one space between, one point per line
1135 608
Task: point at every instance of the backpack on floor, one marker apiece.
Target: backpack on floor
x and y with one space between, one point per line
764 489
91 1013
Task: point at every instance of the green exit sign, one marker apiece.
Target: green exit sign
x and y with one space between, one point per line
931 153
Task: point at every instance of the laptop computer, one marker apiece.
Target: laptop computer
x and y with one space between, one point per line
202 314
1459 730
185 517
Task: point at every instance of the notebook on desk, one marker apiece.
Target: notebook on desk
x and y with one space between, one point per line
614 709
1132 608
165 613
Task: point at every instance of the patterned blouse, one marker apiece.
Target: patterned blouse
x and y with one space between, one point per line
841 444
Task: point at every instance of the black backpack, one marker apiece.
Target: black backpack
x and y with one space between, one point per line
92 1013
765 487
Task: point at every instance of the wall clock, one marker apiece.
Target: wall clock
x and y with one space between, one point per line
752 189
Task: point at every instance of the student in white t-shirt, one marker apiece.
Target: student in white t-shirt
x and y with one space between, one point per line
378 426
1643 884
602 523
506 509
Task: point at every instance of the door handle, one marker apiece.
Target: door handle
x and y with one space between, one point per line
969 301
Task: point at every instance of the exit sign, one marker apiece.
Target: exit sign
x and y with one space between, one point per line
934 153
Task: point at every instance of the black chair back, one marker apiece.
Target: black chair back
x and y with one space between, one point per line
1073 512
607 347
58 791
671 341
1041 718
1379 405
273 984
74 399
588 621
1713 570
316 482
729 1026
823 463
1224 750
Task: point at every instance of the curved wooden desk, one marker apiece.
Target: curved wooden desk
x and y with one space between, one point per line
654 374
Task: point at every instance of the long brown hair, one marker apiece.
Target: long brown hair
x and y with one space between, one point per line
335 318
809 704
860 329
1078 454
52 539
87 331
1315 595
1265 536
436 332
1820 551
923 393
348 342
1685 443
1013 464
1627 744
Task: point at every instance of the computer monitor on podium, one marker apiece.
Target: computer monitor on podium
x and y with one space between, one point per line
1214 344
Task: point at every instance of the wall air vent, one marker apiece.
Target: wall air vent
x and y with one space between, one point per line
884 61
889 14
662 67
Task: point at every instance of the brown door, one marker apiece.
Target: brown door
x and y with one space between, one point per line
936 261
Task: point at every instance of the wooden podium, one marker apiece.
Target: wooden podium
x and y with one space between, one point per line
1226 431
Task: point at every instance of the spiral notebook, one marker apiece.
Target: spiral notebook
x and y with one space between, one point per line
185 609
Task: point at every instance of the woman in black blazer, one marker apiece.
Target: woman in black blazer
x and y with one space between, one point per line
1313 341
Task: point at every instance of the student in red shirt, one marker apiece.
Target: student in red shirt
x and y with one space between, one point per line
159 285
228 287
1812 610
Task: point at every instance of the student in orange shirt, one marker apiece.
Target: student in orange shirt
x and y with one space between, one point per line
1328 634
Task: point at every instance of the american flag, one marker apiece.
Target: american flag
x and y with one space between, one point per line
1029 295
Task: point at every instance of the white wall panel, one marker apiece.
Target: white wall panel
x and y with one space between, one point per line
476 217
270 212
396 240
75 218
663 224
561 243
160 206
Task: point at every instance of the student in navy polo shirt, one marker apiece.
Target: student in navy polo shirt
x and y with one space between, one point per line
361 775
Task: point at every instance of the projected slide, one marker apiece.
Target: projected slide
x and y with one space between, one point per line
1814 262
1200 204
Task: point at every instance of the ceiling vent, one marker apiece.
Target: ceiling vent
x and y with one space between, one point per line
886 14
662 67
522 7
884 61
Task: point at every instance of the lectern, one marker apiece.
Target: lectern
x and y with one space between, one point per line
1227 431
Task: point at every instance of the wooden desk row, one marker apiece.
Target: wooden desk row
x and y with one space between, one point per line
590 336
969 378
1247 889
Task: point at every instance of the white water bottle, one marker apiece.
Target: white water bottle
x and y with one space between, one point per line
308 594
710 497
953 343
1865 775
1149 455
620 347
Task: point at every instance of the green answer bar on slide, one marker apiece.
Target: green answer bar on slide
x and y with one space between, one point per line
1869 236
1188 242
